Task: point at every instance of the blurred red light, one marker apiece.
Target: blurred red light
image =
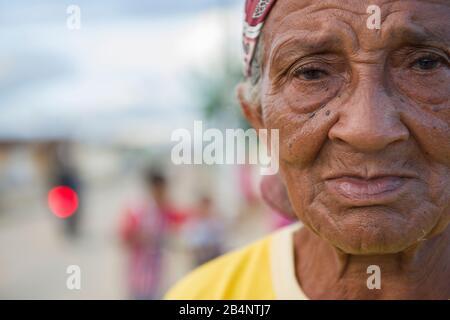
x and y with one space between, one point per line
62 201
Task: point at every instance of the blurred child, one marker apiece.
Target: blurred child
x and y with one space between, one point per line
204 233
143 229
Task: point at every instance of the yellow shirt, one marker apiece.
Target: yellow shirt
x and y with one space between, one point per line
263 270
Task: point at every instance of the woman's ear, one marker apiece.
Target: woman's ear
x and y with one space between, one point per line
275 195
251 110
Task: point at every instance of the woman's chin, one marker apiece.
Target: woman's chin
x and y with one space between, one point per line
363 246
374 234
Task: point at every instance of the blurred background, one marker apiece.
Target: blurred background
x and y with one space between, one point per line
92 109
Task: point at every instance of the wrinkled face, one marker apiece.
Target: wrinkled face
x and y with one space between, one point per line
364 118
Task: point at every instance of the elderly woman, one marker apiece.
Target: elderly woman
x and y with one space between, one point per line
364 120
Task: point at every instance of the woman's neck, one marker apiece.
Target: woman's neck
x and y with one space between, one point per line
325 272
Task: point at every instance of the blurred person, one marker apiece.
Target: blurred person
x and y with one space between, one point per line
245 174
143 230
251 210
66 174
363 116
204 232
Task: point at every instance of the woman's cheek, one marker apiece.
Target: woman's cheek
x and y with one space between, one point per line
424 101
306 98
302 117
432 89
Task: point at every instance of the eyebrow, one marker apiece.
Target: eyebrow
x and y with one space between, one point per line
415 34
291 48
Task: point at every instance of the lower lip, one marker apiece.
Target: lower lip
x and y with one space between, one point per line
372 190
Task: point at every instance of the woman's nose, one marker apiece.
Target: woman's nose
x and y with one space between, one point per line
368 121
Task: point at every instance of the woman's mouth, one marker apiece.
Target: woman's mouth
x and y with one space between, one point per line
367 191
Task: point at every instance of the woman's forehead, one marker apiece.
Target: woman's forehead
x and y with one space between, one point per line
347 22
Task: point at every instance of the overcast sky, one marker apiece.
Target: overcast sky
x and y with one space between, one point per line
123 75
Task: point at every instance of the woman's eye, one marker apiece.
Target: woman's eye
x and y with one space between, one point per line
310 74
427 63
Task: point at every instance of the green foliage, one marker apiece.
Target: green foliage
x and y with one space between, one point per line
216 93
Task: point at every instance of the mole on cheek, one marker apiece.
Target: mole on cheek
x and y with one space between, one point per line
327 113
438 108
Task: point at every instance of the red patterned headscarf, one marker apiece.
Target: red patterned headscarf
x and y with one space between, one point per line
256 12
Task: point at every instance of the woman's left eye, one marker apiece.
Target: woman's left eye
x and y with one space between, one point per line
427 63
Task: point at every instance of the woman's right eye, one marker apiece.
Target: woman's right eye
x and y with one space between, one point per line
310 73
